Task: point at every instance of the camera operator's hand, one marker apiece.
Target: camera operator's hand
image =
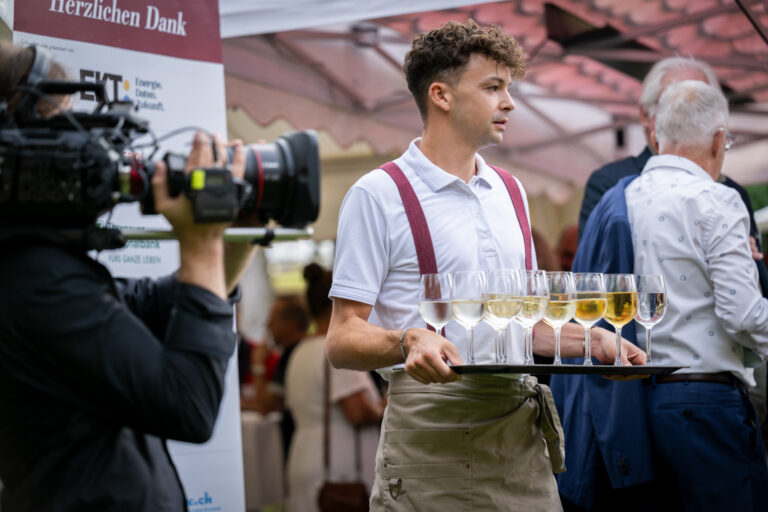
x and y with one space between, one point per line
201 246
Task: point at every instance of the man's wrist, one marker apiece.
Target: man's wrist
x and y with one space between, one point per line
402 342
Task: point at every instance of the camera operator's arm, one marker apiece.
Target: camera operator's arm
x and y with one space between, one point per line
151 302
236 258
201 247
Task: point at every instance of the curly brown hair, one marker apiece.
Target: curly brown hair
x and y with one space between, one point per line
443 53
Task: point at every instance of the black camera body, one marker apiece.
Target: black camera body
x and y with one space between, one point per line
67 170
64 170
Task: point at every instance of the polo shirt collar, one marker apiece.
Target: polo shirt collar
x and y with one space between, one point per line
676 162
435 177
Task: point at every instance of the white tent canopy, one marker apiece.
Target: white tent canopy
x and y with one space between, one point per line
334 65
246 17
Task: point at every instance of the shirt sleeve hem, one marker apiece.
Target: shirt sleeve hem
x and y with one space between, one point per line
342 291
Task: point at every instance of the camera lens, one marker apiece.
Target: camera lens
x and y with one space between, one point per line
285 176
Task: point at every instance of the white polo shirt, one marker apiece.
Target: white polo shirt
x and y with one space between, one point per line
695 232
473 227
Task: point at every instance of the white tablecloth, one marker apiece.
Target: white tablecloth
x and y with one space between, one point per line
262 460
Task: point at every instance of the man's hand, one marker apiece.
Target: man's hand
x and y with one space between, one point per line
427 353
756 255
178 210
604 349
201 248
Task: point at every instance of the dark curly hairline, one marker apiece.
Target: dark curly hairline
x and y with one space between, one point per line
443 54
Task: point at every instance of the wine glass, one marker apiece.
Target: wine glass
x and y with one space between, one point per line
502 303
467 303
620 304
435 299
534 297
651 305
561 307
590 306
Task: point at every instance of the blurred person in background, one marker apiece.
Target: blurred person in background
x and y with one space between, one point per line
288 324
663 73
607 440
694 232
567 245
546 256
354 404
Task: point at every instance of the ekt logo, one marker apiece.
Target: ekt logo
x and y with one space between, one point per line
112 82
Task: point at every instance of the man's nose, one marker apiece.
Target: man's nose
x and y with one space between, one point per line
508 103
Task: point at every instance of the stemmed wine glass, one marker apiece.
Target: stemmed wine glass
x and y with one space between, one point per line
651 305
561 307
435 299
621 304
590 306
502 303
467 303
535 297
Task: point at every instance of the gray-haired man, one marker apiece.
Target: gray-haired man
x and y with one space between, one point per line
694 232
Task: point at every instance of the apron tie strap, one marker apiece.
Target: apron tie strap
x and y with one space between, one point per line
551 427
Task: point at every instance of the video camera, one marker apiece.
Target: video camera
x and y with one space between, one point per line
66 170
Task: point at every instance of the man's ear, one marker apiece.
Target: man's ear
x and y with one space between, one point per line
439 94
654 142
717 143
645 120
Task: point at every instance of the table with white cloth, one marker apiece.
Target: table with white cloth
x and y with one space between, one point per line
262 460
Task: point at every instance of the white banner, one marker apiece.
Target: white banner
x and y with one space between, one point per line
166 57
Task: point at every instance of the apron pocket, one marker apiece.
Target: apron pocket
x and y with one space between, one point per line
423 469
427 487
426 446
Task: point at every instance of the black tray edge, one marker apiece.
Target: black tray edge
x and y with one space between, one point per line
565 369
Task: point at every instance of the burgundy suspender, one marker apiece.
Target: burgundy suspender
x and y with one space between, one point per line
522 218
425 251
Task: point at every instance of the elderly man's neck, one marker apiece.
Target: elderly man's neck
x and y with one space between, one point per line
700 156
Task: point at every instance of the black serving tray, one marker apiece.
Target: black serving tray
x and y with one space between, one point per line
551 369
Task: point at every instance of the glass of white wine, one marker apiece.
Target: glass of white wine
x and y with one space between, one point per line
502 304
620 305
467 303
590 306
561 307
651 306
435 299
534 299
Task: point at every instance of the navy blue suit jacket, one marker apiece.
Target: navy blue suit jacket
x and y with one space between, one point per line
606 177
603 420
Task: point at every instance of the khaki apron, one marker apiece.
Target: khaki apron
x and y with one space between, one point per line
481 444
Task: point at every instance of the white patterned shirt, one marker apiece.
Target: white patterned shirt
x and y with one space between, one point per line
695 232
473 227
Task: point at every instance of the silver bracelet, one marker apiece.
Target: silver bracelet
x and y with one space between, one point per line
402 337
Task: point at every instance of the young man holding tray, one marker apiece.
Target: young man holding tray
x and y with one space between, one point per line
477 442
